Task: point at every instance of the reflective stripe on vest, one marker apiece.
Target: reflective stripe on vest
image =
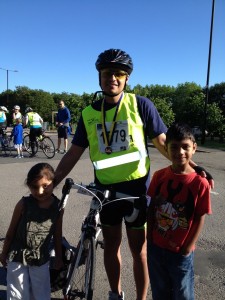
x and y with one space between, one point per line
119 160
124 165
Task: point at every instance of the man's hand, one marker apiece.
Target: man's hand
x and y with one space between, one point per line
201 171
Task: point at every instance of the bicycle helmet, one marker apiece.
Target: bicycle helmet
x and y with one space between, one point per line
114 58
16 107
28 109
3 108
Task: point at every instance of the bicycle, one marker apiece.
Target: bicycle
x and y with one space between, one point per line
42 142
6 143
80 276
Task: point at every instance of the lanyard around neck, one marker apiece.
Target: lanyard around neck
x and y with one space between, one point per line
108 138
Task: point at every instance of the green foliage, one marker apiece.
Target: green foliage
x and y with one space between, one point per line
215 120
182 103
165 110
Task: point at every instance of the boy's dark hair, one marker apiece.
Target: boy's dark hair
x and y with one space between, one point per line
38 171
178 132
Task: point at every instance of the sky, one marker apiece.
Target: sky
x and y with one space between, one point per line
54 44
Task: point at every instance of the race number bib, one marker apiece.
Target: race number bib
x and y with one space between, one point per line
120 136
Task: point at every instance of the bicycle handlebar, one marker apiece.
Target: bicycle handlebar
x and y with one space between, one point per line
101 194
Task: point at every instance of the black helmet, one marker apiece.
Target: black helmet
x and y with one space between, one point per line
28 109
114 58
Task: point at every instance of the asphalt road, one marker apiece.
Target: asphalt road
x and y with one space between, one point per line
209 255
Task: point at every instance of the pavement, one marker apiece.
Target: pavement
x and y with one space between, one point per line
209 255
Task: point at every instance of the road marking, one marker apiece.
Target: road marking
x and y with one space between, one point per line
214 193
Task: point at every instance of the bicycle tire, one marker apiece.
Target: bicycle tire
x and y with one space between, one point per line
6 145
27 145
81 272
10 147
48 147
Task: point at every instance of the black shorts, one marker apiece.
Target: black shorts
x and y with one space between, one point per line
62 132
34 132
113 214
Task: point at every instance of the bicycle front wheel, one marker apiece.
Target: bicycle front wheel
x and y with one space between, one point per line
81 273
48 147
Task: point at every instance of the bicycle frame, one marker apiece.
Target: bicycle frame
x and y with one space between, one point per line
80 284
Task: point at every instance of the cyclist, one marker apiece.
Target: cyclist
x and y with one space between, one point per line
3 119
16 114
115 129
35 122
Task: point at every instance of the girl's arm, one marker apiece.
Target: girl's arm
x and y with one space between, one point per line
193 235
58 241
11 231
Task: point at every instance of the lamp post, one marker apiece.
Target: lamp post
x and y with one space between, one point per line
208 73
7 74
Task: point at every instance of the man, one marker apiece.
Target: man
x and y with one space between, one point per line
34 121
115 129
62 122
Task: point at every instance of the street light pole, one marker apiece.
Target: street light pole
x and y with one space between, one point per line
7 81
207 80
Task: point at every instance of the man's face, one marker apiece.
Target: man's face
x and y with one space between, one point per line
113 80
61 104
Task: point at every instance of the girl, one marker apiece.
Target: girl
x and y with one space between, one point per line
36 218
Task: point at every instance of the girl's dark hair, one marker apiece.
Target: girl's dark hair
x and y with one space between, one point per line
178 132
38 171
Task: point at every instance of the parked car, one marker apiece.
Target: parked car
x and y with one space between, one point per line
198 132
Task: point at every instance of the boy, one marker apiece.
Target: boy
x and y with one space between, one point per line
17 134
179 201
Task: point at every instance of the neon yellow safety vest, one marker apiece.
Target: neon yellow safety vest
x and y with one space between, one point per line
34 120
132 162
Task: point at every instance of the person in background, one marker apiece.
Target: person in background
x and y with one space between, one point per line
16 114
17 134
180 199
35 220
62 123
34 121
3 119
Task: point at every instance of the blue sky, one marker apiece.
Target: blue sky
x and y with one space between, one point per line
54 43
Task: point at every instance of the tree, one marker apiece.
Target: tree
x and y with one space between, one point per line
165 110
215 121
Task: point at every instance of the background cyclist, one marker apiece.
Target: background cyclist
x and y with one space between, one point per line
16 114
35 122
3 119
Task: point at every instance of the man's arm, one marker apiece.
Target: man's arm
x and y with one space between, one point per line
67 163
159 143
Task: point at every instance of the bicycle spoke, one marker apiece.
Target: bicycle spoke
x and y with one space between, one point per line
80 282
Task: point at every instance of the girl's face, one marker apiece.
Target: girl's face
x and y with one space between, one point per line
42 189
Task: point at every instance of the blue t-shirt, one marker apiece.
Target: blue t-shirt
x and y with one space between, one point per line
63 116
18 134
153 126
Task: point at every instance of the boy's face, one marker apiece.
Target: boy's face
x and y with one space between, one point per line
180 152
